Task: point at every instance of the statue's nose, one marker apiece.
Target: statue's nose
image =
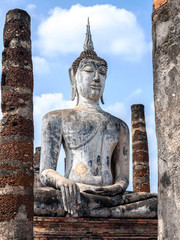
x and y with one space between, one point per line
96 77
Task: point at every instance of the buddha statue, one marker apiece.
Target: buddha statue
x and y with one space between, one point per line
96 146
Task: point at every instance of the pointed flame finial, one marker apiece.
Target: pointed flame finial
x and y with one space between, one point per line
88 44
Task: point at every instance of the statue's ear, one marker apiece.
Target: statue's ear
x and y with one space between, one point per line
102 100
73 83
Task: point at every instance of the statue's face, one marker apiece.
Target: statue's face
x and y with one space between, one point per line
90 79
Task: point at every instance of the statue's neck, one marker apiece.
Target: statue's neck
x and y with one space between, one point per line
88 103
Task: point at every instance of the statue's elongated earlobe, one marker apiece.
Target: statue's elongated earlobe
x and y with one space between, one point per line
102 100
77 94
73 83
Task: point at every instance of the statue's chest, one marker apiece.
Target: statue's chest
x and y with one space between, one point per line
79 130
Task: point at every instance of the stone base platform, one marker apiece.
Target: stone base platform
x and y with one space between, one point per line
53 228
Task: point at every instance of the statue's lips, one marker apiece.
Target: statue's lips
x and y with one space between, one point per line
94 86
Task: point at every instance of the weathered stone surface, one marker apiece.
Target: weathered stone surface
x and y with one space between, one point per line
16 130
140 153
166 64
96 143
48 202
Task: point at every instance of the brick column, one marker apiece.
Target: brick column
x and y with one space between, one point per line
140 153
37 156
166 69
16 133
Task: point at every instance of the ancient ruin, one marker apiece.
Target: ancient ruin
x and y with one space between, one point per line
140 154
16 131
91 200
166 65
97 153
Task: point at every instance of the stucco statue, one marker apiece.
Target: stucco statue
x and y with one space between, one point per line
96 144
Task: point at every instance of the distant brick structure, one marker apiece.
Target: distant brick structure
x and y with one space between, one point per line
166 70
36 165
140 152
16 133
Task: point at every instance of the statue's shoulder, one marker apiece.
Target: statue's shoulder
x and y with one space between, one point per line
57 115
116 121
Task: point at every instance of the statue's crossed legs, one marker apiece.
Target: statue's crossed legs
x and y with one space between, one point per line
48 202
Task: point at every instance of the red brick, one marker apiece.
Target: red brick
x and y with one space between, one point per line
102 228
10 206
17 77
17 125
16 179
16 151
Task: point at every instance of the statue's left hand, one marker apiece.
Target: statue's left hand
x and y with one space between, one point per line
69 190
112 190
70 194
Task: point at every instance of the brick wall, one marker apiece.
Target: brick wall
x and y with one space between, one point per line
94 228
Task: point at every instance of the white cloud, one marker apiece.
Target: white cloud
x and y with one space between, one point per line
114 31
30 7
40 65
133 94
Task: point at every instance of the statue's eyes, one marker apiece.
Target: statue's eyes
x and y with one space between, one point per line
88 69
102 71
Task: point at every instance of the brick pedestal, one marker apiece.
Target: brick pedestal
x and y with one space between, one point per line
48 228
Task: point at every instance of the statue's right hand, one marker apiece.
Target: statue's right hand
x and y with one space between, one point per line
70 194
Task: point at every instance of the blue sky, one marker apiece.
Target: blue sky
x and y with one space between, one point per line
121 32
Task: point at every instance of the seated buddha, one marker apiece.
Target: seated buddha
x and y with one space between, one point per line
96 146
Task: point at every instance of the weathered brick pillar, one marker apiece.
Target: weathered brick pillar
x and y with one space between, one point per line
166 68
140 153
37 156
16 133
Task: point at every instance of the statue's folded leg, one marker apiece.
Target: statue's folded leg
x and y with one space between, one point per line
48 202
127 205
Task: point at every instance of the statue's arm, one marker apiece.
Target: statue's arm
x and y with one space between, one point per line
120 159
50 148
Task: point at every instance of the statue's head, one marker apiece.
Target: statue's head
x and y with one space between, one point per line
88 73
